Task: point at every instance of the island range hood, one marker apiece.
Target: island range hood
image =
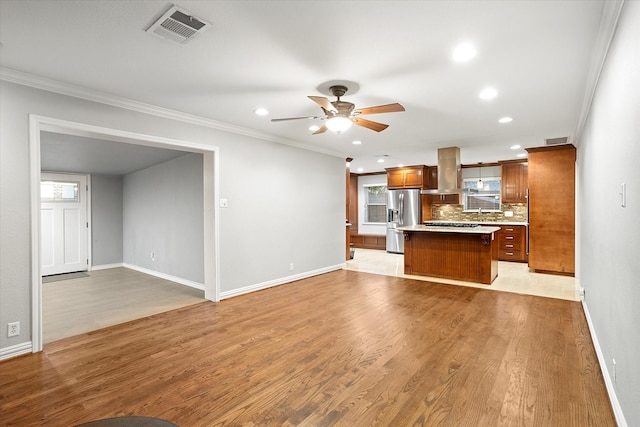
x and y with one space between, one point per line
449 173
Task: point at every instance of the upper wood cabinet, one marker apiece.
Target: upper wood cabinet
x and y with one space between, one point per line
514 182
407 177
432 184
552 202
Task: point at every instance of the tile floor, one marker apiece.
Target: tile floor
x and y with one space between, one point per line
512 276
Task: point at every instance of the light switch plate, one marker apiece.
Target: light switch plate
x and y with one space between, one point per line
623 195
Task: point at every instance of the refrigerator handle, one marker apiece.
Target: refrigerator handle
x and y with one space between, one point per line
401 209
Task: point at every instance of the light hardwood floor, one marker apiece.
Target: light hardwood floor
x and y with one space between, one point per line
512 276
340 349
113 296
108 297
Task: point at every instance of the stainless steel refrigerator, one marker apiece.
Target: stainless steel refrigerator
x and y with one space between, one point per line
403 209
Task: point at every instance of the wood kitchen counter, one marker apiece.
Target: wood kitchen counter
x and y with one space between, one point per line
459 253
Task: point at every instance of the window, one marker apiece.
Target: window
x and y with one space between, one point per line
52 191
375 204
487 199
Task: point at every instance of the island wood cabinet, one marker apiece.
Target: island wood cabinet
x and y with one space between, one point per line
407 177
552 208
514 182
467 256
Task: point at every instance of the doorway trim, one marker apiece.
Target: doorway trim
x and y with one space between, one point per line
210 155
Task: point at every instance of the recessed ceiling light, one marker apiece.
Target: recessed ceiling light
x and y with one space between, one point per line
356 142
360 169
515 147
314 128
522 155
261 111
400 165
488 93
380 160
464 52
505 120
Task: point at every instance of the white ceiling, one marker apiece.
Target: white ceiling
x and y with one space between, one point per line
273 54
79 154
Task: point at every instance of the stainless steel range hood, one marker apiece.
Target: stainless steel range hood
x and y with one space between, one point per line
449 173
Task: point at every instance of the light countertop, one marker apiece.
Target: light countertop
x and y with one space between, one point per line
438 229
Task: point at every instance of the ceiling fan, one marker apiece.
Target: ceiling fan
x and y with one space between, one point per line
341 114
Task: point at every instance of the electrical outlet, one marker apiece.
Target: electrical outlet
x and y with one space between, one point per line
13 329
291 267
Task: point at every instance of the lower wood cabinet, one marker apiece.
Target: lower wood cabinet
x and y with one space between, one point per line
368 241
513 243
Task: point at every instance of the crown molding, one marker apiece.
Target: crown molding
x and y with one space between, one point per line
611 11
50 85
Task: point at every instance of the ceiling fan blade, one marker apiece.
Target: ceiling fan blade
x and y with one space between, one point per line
324 103
378 127
322 129
388 108
295 118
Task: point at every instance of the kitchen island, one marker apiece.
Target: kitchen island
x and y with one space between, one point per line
467 253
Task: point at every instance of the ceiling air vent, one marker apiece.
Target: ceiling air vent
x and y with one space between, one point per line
557 141
178 26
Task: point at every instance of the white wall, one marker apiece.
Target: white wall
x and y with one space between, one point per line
106 220
363 228
286 204
163 215
608 155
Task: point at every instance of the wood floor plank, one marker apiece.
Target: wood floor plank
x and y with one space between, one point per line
340 349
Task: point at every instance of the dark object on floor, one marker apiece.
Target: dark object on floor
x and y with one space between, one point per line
129 422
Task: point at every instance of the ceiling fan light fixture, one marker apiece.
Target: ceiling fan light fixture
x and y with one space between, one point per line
338 123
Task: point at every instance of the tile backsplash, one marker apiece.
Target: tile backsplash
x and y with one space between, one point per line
455 213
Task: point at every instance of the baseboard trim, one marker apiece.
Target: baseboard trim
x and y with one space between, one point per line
106 266
169 277
16 350
280 281
613 397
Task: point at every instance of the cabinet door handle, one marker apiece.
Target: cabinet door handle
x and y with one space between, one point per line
510 253
509 229
509 246
509 237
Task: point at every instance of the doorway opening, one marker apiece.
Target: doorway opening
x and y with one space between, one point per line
38 124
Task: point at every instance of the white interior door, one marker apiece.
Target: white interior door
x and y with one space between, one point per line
63 213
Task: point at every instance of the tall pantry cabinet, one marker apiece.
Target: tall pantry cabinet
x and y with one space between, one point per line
552 183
